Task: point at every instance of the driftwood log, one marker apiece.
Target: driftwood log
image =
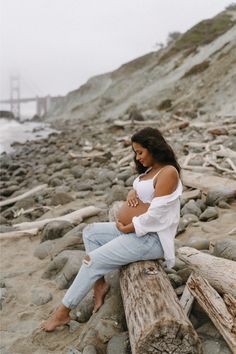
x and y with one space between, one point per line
220 272
76 216
27 229
215 307
24 195
204 183
156 321
14 235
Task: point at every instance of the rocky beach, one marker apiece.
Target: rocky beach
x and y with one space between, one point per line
52 187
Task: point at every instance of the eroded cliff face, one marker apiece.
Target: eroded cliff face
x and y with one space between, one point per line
196 72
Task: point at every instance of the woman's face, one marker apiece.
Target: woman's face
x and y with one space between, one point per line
143 155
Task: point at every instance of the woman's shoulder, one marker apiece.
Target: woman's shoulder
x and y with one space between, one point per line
167 172
167 181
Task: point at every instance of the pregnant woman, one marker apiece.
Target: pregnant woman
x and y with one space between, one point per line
145 228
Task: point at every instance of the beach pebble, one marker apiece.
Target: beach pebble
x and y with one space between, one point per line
188 195
212 341
184 273
55 229
106 329
223 204
178 244
7 192
196 161
124 175
64 268
209 214
116 193
84 310
85 186
216 194
77 171
44 249
181 227
105 323
189 219
191 208
197 242
25 203
179 291
90 349
73 326
3 293
179 264
40 296
71 240
225 248
73 350
61 198
54 182
20 172
175 280
105 175
129 181
119 344
201 204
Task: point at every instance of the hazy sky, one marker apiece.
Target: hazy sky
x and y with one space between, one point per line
56 45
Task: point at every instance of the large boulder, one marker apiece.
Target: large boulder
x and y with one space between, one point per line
225 248
216 194
55 229
64 268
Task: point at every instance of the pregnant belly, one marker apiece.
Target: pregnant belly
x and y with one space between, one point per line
126 213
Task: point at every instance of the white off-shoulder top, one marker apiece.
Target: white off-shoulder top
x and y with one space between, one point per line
161 217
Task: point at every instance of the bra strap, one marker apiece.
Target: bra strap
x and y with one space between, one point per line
158 174
160 171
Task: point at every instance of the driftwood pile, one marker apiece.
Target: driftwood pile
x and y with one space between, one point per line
213 285
160 322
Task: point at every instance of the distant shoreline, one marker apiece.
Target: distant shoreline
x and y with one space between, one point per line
15 131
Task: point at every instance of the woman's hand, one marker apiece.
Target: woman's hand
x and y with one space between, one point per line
132 198
126 229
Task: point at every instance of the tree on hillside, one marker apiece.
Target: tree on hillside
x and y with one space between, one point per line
231 6
172 36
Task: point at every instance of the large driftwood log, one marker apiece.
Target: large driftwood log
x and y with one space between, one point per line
203 182
22 196
220 272
214 306
75 216
155 318
14 235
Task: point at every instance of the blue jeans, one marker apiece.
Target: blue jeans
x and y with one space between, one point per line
109 249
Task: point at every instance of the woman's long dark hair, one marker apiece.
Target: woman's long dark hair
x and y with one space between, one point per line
155 143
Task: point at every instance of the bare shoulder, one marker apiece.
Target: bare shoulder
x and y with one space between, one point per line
167 181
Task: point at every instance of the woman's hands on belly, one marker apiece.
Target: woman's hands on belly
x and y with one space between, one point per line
126 213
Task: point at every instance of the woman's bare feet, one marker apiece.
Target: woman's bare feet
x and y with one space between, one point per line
101 288
58 318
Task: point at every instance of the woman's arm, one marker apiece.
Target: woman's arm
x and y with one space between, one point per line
126 229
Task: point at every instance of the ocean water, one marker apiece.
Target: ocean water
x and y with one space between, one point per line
14 131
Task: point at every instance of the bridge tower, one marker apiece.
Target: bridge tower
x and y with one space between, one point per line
15 95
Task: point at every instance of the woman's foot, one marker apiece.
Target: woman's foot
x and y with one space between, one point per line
58 318
100 292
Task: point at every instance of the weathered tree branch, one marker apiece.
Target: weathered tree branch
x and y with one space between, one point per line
220 272
22 196
214 306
